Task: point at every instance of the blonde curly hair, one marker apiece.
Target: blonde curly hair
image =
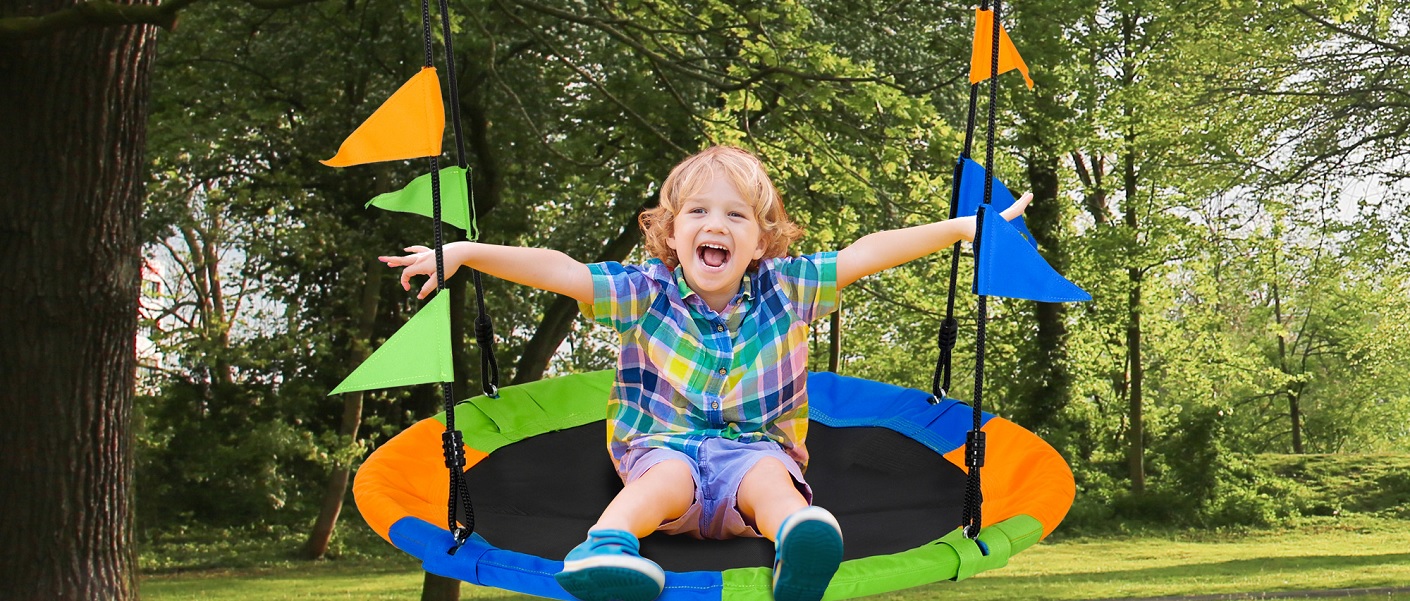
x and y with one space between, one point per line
776 231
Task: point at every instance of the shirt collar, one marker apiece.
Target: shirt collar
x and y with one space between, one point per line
746 286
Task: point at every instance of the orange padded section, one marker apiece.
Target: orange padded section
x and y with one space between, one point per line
397 480
1022 475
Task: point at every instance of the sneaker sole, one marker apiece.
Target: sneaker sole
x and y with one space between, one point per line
612 579
808 560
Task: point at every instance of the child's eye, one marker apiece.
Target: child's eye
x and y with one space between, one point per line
736 214
698 210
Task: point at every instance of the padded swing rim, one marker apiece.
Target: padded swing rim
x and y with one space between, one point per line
1027 485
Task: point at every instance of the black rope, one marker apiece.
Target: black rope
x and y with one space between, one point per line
974 442
484 326
426 33
454 453
940 382
459 507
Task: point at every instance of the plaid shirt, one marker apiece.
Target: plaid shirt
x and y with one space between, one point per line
686 373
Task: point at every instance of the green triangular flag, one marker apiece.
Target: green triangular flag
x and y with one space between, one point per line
416 354
416 198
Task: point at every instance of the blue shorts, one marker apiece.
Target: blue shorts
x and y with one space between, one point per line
718 469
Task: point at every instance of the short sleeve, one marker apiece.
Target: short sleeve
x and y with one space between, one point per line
621 294
809 283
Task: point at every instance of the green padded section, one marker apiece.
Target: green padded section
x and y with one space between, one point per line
527 410
417 353
968 553
923 565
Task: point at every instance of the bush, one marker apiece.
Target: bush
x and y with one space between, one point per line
222 457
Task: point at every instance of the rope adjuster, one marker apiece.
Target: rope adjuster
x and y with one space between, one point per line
453 449
949 332
974 449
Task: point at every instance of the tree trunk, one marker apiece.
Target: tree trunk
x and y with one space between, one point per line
72 170
439 588
337 488
1047 388
1294 409
1135 370
558 319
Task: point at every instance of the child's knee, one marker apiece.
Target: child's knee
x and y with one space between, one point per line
673 470
768 476
773 470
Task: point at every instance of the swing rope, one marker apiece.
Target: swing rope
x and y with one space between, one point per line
452 441
971 520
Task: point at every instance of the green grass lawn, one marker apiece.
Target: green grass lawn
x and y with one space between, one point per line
1317 554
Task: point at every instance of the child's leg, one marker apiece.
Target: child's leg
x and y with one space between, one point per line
608 566
767 494
662 494
808 539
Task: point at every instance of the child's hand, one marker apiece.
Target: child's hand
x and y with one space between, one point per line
421 261
967 224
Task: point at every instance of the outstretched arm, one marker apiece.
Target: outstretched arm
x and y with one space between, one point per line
884 250
538 267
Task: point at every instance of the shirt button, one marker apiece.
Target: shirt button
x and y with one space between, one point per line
715 405
719 327
723 371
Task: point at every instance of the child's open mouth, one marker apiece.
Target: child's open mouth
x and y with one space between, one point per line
713 255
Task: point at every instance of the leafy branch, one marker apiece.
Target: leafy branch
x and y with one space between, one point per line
108 13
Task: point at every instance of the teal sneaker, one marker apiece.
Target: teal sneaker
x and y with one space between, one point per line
608 566
808 552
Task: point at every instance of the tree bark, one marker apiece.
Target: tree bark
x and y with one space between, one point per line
1294 407
337 489
1135 370
439 588
72 171
1047 389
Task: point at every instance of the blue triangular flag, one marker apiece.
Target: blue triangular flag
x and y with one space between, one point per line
1007 266
971 195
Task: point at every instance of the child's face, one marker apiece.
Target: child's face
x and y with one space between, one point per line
716 237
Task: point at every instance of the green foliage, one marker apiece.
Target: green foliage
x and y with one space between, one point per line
1254 291
229 460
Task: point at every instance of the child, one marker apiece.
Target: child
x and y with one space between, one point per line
708 414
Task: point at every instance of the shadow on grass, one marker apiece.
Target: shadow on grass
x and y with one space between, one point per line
1233 568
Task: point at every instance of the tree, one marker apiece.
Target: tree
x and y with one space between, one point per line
74 173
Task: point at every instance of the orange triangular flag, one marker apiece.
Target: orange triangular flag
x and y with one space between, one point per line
981 59
408 125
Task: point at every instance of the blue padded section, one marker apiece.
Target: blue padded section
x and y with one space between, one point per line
843 402
481 563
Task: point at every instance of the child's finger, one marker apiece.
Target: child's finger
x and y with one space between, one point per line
427 288
1018 207
416 249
